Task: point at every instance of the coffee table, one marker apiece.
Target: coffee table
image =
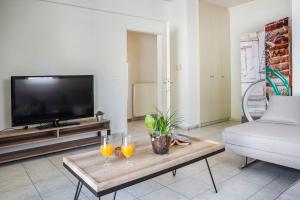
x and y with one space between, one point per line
90 171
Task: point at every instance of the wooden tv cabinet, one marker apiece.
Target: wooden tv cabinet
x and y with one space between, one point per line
36 141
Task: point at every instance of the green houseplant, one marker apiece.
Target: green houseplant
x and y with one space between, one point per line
99 115
160 130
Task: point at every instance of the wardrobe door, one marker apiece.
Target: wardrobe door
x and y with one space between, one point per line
225 67
214 57
207 82
206 70
222 65
224 112
214 107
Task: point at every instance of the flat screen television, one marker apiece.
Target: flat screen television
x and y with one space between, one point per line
45 99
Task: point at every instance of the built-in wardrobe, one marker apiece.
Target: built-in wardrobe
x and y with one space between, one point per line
214 63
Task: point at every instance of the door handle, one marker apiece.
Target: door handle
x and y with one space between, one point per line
168 81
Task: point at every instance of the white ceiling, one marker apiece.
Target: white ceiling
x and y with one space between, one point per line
228 3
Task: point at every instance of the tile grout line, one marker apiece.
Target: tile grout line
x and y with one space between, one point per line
137 197
67 177
182 194
263 187
220 183
40 195
210 188
201 170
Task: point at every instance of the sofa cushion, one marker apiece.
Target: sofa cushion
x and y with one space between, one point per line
283 109
293 193
281 139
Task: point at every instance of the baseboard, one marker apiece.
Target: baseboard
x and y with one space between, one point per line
214 122
188 126
235 119
136 119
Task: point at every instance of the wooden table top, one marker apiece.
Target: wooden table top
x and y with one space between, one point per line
90 167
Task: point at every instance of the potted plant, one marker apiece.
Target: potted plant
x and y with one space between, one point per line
99 115
160 131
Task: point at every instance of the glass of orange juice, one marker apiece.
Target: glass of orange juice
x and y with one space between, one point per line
106 149
127 148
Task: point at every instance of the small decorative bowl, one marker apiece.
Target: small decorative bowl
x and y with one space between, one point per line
118 153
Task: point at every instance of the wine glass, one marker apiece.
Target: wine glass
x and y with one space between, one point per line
106 149
127 148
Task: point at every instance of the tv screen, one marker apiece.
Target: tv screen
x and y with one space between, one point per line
41 99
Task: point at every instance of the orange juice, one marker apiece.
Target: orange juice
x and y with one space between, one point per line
128 150
106 150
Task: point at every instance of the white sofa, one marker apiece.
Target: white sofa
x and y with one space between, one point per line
270 142
274 138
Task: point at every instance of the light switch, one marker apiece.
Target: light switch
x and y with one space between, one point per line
178 67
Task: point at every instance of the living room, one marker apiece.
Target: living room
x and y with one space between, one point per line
195 108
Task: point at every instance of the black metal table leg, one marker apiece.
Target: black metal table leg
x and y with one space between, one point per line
115 194
174 172
247 162
78 190
211 176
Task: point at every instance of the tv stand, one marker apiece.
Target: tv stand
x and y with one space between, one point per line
57 124
67 124
26 143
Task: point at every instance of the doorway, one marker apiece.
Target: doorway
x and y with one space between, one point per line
142 59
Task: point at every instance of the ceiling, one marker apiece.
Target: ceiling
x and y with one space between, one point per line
228 3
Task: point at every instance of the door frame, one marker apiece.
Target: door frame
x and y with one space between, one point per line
163 67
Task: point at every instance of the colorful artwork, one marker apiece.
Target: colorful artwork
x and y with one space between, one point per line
252 48
277 58
265 67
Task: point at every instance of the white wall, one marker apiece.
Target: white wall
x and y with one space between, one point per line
148 9
185 75
42 38
89 37
193 63
296 46
142 62
250 17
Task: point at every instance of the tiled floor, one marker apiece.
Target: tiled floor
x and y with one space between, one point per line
45 178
